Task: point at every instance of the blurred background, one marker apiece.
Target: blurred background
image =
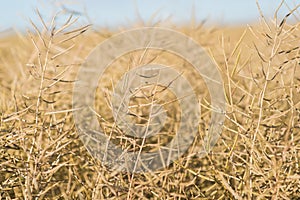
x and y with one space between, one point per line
116 13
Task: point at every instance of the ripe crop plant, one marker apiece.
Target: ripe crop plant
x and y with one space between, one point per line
256 156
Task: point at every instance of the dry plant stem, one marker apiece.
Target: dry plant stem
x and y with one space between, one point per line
144 136
36 156
43 66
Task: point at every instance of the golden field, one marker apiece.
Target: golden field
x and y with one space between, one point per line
256 157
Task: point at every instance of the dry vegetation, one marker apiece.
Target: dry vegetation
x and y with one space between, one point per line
257 156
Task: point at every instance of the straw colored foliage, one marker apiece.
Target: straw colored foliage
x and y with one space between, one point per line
256 157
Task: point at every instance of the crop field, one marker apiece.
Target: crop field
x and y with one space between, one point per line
257 156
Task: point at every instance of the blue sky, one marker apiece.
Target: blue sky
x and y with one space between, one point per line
114 13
